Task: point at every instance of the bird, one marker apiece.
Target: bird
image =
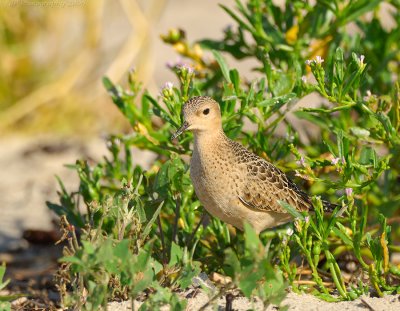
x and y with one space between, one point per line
232 183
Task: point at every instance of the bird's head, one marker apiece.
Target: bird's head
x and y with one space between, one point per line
200 114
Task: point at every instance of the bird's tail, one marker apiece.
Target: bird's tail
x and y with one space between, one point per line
328 206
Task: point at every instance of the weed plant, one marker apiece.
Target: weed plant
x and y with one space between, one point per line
144 235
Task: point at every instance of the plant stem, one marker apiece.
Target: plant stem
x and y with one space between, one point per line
195 229
177 215
164 251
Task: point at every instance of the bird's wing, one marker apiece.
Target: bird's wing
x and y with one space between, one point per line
265 185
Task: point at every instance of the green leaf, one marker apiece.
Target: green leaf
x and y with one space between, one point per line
252 241
88 247
342 144
176 254
114 93
71 259
343 236
368 156
187 274
5 305
3 284
291 210
249 281
147 229
339 65
222 64
355 9
234 76
121 250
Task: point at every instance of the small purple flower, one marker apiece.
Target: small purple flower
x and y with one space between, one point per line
304 79
172 65
335 161
349 191
301 162
308 62
187 68
306 219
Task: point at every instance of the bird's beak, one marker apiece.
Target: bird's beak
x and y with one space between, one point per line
183 128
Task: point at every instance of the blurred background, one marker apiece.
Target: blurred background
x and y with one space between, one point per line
53 107
54 55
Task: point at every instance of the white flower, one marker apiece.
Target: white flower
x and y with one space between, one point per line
349 191
168 85
368 96
306 219
318 60
361 59
304 79
167 89
289 231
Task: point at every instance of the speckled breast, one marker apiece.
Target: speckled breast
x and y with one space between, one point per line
213 181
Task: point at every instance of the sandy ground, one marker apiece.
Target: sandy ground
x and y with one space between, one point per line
28 168
294 302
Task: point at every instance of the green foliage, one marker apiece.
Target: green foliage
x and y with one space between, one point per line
253 272
3 283
352 161
5 304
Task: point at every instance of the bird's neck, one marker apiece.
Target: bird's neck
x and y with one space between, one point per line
208 140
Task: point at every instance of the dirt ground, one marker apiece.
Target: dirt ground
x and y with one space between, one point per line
27 229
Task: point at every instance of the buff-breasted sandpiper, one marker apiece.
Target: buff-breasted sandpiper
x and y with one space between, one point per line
231 182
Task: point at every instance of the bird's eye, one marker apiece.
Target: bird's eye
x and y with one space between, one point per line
206 111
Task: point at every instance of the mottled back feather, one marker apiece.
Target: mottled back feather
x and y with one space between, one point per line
266 184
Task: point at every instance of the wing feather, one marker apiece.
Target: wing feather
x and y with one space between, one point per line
265 184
